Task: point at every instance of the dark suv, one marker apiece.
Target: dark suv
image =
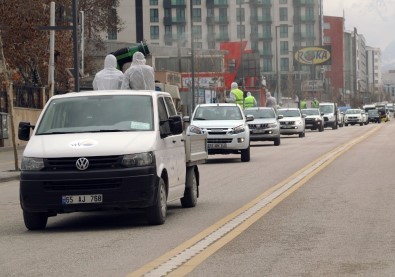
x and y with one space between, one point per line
373 116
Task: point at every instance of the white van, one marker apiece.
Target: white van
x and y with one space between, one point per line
105 150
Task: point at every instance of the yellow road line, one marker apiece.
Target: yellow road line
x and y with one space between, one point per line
189 265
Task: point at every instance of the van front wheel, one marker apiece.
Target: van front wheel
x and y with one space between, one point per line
35 221
157 213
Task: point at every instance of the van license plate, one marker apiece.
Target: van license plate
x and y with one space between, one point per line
82 199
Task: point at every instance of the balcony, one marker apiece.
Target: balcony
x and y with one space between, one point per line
216 3
303 35
167 20
260 19
168 4
222 37
299 3
304 18
264 3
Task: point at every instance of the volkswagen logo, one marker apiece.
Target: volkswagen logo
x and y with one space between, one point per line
82 163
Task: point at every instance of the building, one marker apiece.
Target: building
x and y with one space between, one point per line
374 75
333 73
268 31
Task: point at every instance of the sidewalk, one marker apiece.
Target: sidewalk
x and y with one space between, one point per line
7 164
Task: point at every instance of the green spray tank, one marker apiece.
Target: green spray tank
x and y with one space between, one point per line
125 55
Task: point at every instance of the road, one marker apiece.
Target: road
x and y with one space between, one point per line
338 220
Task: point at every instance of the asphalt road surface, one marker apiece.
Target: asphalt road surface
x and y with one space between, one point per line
335 219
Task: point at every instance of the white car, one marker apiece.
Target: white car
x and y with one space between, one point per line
226 127
292 122
353 116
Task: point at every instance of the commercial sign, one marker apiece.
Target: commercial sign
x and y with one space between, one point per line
313 85
314 55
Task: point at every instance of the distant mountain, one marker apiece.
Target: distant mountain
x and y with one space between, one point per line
388 57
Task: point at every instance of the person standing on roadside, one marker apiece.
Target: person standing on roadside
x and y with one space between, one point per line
109 77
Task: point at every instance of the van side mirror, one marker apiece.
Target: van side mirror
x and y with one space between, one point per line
24 130
176 126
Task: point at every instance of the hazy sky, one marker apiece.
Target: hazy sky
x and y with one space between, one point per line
374 19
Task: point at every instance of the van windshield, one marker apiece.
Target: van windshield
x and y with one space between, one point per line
103 113
326 108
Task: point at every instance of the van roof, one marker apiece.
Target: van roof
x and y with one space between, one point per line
111 92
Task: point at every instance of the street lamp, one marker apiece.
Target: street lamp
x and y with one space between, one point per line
277 61
192 60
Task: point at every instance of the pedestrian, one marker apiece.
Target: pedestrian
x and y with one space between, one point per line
270 100
250 101
236 94
109 77
315 103
303 104
139 75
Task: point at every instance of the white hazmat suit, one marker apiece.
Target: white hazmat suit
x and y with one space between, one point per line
139 75
109 77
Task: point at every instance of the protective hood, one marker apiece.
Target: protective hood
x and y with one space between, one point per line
110 62
110 77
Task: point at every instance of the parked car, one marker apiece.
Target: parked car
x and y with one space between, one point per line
265 126
292 122
226 127
373 116
313 119
353 116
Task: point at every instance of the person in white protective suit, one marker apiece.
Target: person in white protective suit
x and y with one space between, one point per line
109 77
270 100
139 75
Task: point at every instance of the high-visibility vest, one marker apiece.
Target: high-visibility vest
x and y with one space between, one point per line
239 96
249 102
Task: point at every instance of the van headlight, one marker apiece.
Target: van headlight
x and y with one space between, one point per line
239 129
139 159
32 164
298 122
272 125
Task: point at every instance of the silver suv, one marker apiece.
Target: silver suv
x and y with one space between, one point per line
265 126
226 127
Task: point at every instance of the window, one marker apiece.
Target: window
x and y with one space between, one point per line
284 31
167 12
154 15
154 32
283 14
210 12
240 14
223 14
283 1
327 39
180 14
197 45
153 2
197 32
267 48
196 2
163 116
240 31
112 32
284 47
284 64
327 25
310 13
197 15
267 65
